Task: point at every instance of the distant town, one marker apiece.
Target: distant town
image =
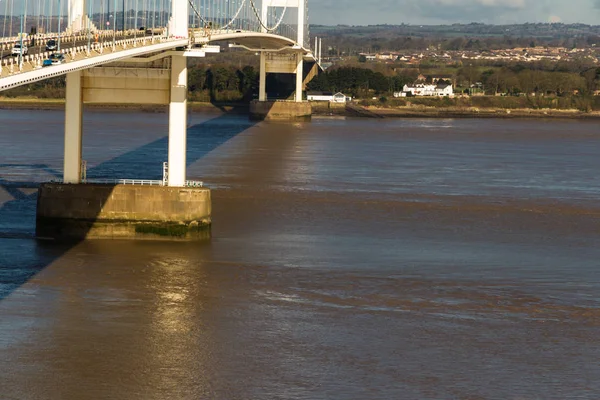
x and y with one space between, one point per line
525 54
558 62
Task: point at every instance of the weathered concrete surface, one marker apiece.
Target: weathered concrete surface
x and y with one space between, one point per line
120 85
280 110
92 211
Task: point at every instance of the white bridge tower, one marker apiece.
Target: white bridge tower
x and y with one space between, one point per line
298 62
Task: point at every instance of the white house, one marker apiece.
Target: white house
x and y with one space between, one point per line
420 89
340 97
319 96
368 57
444 89
328 96
426 89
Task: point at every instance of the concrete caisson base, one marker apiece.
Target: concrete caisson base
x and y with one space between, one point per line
92 211
280 110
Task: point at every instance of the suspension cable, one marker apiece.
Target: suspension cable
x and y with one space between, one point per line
262 23
197 13
4 27
235 16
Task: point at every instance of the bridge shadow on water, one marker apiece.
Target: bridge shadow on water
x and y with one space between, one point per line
22 256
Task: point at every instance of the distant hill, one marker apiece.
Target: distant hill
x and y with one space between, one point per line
350 39
537 30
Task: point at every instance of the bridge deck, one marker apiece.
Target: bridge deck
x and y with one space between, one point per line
13 74
78 58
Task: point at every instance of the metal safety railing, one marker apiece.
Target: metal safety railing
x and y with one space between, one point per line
15 64
142 182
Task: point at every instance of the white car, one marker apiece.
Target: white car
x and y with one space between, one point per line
16 50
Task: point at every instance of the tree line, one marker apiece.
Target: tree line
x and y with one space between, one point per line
514 79
517 79
357 82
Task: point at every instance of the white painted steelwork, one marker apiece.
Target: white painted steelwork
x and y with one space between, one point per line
73 134
141 182
177 121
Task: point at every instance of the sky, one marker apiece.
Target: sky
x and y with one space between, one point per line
418 12
414 12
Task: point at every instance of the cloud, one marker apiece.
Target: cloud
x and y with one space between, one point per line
502 3
365 12
450 10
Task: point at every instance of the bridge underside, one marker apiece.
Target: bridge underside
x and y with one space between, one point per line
254 41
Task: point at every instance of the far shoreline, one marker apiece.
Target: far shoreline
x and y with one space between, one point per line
319 109
414 112
419 111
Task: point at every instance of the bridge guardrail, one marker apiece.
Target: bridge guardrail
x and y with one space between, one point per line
65 37
142 182
34 61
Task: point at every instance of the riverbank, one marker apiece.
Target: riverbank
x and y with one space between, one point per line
420 111
452 112
32 103
321 109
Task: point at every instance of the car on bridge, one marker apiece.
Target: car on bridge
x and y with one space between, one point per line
51 45
17 49
54 59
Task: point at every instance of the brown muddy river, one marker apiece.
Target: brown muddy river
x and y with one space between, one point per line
351 259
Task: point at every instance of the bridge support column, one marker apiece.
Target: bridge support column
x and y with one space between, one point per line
77 211
299 77
178 122
73 131
262 81
178 24
263 109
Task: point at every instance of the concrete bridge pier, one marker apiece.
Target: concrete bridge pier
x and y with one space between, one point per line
77 209
262 79
73 129
177 122
265 109
299 80
291 62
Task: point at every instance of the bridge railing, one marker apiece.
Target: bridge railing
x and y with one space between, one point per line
11 65
141 182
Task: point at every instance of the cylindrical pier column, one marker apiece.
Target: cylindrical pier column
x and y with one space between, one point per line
299 73
262 80
178 122
73 134
320 49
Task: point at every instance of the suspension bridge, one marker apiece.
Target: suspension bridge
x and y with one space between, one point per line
135 52
92 33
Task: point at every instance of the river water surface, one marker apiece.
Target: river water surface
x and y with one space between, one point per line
351 259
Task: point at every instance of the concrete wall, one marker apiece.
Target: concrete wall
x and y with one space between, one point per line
85 211
280 110
310 70
281 63
119 85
